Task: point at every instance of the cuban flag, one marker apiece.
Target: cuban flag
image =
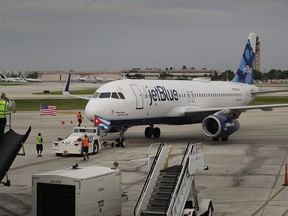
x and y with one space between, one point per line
101 122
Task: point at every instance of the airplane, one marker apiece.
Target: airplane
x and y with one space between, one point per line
12 79
81 79
101 80
98 79
216 105
32 79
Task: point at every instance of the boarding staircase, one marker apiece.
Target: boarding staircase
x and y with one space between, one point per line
167 189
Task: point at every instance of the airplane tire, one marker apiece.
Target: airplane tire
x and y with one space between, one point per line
215 139
156 132
148 132
58 154
224 139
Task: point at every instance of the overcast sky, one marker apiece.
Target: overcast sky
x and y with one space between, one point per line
121 34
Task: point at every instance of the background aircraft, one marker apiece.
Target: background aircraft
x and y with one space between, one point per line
98 79
32 79
81 79
216 105
11 79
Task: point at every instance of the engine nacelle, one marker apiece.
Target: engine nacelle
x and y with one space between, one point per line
222 126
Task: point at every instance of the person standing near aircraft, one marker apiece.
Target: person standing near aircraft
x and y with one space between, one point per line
39 145
5 103
85 146
79 118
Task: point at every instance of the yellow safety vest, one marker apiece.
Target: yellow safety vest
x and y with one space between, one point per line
39 140
3 108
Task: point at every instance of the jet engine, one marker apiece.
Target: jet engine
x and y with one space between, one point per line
219 126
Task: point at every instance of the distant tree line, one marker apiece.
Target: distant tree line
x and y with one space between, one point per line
257 75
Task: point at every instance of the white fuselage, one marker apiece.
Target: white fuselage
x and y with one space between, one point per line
164 101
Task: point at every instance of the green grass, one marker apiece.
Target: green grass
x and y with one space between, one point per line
62 104
69 104
79 92
261 100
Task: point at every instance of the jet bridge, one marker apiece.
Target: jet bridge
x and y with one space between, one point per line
10 146
171 190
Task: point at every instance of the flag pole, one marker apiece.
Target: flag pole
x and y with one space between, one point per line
40 117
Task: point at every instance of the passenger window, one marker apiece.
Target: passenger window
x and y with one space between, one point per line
121 95
105 95
114 95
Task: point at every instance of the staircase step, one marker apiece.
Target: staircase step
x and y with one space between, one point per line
152 213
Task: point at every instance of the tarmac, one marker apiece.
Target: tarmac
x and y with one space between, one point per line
245 176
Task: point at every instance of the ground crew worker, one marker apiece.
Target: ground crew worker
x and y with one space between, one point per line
85 147
39 145
79 118
5 103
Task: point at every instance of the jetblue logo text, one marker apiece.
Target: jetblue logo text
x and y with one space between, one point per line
160 93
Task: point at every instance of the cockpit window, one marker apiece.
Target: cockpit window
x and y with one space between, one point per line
114 95
95 95
121 95
105 95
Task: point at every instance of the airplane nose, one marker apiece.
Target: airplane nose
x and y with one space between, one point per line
90 110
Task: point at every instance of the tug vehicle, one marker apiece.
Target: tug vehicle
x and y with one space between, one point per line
73 143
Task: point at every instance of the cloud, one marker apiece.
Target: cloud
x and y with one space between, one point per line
120 34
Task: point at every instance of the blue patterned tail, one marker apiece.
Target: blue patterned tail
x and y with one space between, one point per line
245 70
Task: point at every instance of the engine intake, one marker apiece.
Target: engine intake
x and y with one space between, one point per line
215 126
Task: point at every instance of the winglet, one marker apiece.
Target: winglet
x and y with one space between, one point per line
67 84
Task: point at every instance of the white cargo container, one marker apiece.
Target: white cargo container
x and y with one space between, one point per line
79 191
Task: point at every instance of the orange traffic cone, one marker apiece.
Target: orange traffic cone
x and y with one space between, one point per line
286 176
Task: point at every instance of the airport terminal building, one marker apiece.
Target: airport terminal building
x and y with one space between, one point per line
96 76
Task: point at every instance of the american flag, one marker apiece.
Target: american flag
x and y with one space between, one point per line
47 110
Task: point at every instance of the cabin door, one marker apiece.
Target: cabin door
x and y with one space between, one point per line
139 96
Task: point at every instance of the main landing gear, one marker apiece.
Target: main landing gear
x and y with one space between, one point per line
149 131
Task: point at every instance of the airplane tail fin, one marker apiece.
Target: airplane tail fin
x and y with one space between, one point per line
245 70
67 84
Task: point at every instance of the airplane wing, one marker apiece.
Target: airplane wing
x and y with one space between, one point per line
262 92
67 93
237 109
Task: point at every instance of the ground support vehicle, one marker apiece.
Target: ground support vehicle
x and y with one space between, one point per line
73 143
87 190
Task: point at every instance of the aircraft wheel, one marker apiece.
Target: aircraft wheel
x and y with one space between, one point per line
224 139
58 154
215 139
156 132
148 132
95 148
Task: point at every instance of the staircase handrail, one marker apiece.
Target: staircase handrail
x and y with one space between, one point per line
179 180
148 176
